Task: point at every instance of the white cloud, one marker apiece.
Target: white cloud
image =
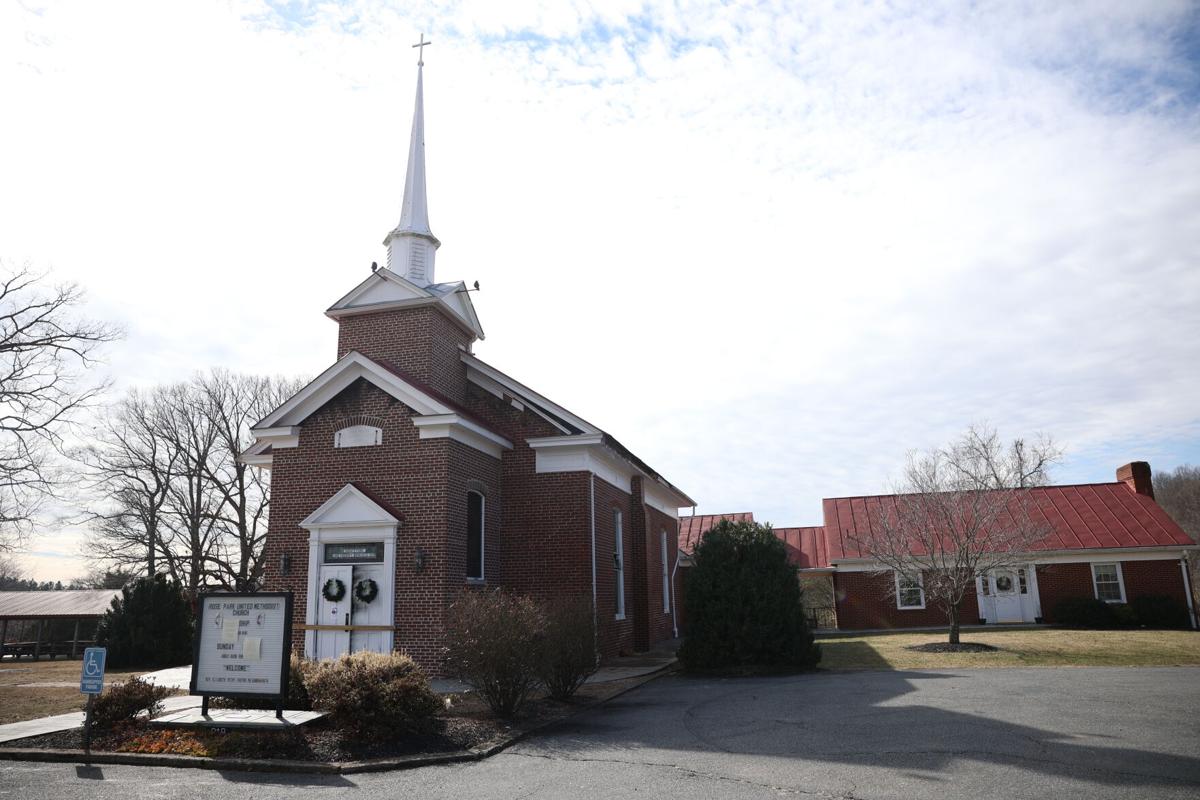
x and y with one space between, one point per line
769 250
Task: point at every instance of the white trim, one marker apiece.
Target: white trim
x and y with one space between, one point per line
920 588
1120 581
1054 557
434 418
460 429
376 513
522 390
482 576
587 452
619 557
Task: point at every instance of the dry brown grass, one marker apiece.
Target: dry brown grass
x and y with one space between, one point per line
1017 648
31 689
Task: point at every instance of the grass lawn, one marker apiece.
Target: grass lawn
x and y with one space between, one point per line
1017 648
31 689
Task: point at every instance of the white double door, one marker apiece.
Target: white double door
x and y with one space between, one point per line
341 621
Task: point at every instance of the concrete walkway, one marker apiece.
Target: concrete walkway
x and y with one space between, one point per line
618 669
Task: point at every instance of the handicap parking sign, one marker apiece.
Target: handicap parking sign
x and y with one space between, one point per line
91 679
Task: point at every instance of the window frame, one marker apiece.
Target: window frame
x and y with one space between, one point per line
666 577
1120 581
920 588
619 561
482 577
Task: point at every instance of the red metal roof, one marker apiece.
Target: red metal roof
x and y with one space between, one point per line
692 528
1080 517
806 547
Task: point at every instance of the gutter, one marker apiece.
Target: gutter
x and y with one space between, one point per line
592 526
674 569
1187 592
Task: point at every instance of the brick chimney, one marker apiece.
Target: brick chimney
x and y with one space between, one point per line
1136 475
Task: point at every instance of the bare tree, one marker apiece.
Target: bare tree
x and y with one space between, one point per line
1178 492
168 490
232 404
959 512
45 349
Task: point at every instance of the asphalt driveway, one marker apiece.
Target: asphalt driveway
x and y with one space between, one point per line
1002 733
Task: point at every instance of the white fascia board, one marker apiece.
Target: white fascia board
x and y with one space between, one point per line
371 308
532 397
282 437
492 387
260 461
349 368
379 275
453 426
1154 553
364 511
586 452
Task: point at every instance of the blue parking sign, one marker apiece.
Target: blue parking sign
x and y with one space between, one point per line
91 679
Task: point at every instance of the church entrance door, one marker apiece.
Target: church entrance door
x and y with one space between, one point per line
373 611
334 610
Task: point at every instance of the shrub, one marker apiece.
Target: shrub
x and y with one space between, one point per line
493 644
149 625
124 701
744 603
1085 612
568 646
1160 611
370 691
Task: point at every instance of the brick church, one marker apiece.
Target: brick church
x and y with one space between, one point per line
411 471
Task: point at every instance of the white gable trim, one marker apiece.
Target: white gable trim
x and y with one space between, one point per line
349 507
457 302
1102 556
586 452
454 426
530 396
376 277
281 426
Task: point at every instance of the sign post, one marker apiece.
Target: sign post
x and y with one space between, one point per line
91 683
242 649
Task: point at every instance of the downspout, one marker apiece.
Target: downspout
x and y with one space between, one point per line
1187 590
592 525
674 569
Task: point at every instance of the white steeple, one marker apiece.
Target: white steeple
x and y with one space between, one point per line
411 245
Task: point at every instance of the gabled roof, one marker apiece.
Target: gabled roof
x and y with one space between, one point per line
68 603
1080 517
806 547
384 289
692 529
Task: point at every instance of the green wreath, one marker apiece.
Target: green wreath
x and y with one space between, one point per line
366 590
334 590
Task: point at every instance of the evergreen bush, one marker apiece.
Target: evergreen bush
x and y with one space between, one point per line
744 606
494 645
149 625
568 646
1085 612
1160 611
367 691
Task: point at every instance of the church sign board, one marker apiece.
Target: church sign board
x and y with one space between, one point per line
242 647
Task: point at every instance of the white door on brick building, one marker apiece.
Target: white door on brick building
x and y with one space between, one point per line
352 539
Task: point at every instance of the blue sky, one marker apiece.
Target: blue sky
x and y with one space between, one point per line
770 247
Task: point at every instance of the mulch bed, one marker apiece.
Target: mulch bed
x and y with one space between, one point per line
946 647
466 724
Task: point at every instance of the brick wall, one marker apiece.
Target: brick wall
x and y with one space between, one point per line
425 480
866 600
1057 582
422 342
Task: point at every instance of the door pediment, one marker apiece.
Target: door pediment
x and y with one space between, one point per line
350 507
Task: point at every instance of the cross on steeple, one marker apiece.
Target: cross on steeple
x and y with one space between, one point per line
421 52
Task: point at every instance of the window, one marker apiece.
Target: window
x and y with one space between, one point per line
474 536
909 593
666 575
1109 586
1024 583
619 562
985 583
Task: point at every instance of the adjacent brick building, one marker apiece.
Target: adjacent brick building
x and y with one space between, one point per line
1109 541
411 471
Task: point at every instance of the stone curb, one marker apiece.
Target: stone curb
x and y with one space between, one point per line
310 767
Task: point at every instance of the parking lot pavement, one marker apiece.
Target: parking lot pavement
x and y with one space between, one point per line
1003 733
